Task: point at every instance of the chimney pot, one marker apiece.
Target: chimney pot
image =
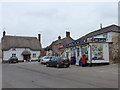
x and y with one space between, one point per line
59 37
100 26
67 34
4 33
39 37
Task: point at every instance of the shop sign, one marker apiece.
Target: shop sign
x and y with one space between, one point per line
61 46
86 41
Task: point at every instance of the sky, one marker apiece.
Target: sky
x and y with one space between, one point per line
53 19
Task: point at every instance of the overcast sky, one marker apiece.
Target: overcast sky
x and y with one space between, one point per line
52 19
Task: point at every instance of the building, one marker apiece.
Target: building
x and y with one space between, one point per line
0 51
94 50
24 48
54 50
111 34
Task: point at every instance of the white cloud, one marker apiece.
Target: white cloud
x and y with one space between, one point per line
52 19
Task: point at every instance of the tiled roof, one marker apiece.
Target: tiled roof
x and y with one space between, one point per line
112 28
61 41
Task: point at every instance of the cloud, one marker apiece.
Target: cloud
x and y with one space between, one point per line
52 19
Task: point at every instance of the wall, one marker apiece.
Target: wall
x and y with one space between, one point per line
8 54
114 48
0 51
49 53
119 48
112 38
109 36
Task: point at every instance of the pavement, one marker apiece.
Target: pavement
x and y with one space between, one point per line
35 75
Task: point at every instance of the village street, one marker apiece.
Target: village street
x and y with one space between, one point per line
35 75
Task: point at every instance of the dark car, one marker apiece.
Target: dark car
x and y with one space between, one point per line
58 62
13 59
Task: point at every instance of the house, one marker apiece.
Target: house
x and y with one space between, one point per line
108 36
112 34
54 50
24 48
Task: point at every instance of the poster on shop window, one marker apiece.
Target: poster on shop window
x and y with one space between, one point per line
85 49
97 52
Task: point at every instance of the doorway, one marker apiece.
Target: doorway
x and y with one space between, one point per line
26 57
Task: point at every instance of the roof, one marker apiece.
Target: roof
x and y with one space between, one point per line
111 28
9 42
61 41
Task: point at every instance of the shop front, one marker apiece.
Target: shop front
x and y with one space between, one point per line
95 50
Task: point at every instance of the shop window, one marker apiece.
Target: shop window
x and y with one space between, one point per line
34 55
78 52
13 55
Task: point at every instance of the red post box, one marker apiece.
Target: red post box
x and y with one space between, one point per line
83 60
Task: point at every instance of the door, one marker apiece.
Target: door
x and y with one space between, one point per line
26 57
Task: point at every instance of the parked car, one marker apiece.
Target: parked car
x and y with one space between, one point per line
58 62
39 59
45 59
13 59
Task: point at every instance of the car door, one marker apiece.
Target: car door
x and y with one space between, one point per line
52 62
55 62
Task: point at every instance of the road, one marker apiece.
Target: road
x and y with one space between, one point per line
35 75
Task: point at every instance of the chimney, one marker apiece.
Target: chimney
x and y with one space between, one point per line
4 33
59 37
67 34
39 37
100 26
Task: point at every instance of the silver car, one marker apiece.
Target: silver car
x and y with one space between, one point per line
46 59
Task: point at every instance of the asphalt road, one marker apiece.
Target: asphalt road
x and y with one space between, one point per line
35 75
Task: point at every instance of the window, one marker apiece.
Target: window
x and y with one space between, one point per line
105 35
13 55
34 55
46 57
13 49
78 52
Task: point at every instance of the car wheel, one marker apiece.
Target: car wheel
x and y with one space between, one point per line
47 65
58 66
67 65
9 61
